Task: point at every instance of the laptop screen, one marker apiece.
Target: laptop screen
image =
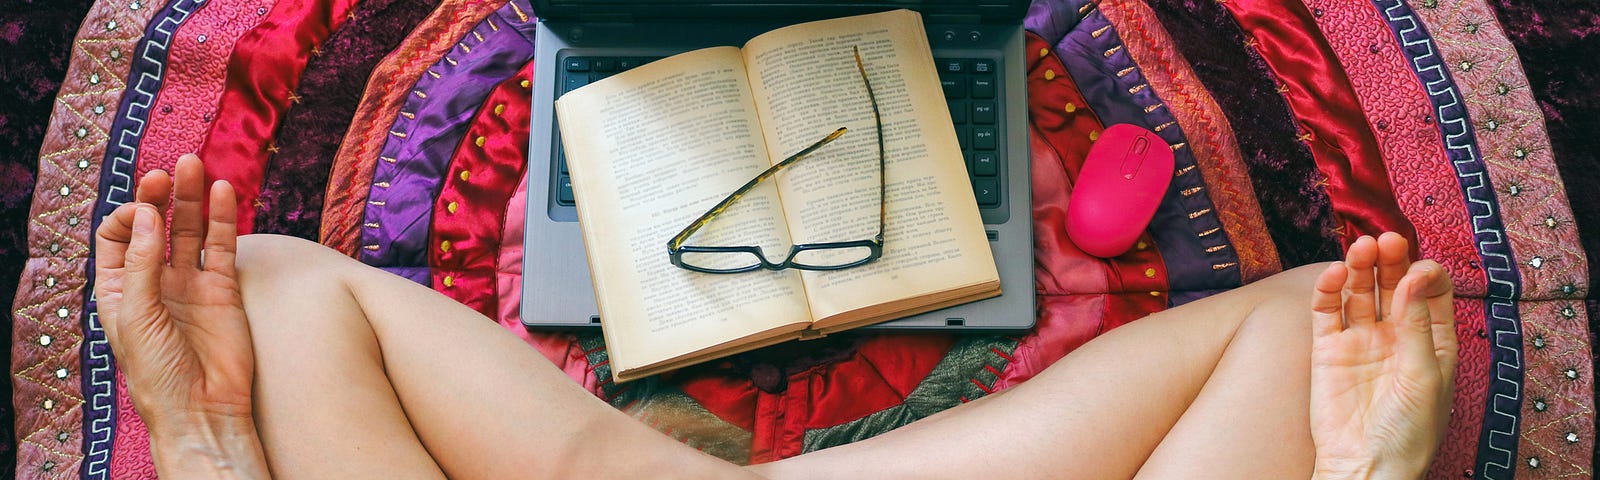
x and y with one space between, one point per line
784 10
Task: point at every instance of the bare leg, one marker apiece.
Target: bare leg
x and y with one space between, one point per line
1102 410
362 374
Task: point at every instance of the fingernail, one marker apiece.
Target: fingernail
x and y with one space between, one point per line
143 223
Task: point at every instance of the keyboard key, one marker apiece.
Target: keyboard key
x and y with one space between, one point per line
983 66
987 190
964 134
958 111
952 66
572 82
625 64
984 164
982 87
968 157
561 161
577 64
954 86
983 138
564 191
605 65
983 113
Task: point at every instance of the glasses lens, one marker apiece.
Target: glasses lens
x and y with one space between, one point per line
831 257
720 261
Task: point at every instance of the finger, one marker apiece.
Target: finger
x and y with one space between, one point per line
188 212
155 189
222 233
1440 295
144 261
1394 259
111 239
1360 307
1326 303
1413 325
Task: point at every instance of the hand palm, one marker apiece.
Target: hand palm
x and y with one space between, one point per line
1381 386
178 328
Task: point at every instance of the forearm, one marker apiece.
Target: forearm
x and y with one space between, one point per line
199 447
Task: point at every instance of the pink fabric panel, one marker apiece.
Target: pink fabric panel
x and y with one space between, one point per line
179 120
561 348
1400 113
197 72
47 332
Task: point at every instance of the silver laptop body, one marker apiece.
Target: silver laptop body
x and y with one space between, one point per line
606 36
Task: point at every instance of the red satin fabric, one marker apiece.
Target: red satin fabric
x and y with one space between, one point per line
263 74
350 180
1331 120
1080 296
468 213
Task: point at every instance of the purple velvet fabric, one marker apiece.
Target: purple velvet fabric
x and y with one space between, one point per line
36 37
296 176
411 169
1296 211
1191 270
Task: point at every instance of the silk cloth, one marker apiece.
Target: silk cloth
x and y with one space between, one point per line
1296 126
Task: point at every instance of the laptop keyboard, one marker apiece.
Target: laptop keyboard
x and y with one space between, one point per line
970 86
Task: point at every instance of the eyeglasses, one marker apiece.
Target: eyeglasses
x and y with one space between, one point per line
807 256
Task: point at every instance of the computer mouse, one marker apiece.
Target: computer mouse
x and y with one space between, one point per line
1118 189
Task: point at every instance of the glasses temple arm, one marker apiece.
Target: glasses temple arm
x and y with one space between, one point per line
677 240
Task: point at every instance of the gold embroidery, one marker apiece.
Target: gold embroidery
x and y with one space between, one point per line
1197 213
1179 145
1113 51
1222 266
1192 190
1124 72
1099 31
1208 233
1216 249
1138 88
1153 108
1164 126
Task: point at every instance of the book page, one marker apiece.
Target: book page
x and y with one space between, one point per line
806 84
649 151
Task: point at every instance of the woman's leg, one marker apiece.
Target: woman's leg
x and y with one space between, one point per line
362 374
1102 410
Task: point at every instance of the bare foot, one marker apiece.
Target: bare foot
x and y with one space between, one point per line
1383 361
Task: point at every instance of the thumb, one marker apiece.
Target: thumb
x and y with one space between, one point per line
1414 326
147 252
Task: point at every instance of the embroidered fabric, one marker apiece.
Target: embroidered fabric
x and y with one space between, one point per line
147 70
1211 139
1510 131
1197 251
47 379
350 179
296 177
413 160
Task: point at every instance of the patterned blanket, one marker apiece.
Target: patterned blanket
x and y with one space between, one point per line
396 132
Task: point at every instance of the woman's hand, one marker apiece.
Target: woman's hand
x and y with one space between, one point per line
1381 382
177 325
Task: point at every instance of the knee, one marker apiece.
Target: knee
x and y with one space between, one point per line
1282 303
267 260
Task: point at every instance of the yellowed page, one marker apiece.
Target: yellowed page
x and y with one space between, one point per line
649 151
807 84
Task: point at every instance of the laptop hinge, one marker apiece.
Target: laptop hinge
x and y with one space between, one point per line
953 19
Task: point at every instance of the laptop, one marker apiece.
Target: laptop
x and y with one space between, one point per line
977 46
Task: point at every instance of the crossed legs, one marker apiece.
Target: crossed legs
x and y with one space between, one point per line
361 373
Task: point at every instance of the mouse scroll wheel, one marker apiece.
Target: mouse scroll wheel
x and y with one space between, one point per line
1134 159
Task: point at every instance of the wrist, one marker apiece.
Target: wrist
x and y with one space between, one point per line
207 446
1364 469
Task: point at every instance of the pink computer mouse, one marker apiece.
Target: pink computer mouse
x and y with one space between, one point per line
1118 188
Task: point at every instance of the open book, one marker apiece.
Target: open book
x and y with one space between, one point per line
652 148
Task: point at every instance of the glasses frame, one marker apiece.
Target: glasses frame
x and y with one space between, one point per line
676 248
